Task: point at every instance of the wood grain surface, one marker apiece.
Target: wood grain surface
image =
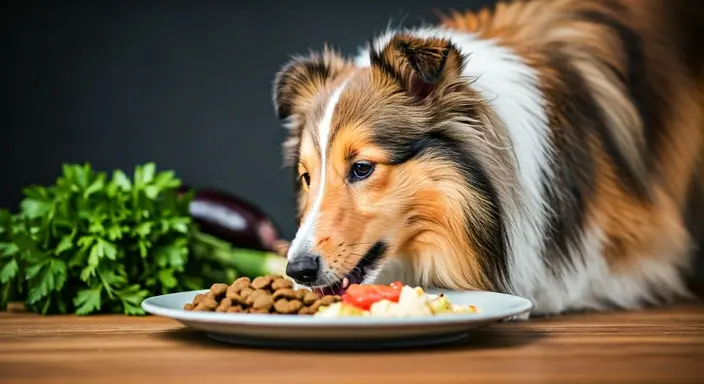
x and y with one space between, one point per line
654 346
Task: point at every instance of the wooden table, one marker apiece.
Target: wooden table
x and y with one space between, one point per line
656 346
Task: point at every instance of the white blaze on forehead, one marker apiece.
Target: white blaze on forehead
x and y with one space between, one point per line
305 235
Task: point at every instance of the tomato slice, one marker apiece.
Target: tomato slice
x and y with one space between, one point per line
363 296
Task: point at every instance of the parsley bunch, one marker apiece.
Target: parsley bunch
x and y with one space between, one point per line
93 243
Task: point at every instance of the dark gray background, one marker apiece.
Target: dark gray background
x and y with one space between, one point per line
185 84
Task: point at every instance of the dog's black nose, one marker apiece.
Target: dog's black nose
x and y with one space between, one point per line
303 269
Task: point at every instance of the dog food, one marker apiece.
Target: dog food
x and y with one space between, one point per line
265 294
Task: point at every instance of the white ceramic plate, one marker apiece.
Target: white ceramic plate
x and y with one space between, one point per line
341 333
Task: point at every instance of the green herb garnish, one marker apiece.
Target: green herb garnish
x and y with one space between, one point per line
96 244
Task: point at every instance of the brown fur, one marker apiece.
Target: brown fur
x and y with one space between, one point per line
537 29
625 105
414 199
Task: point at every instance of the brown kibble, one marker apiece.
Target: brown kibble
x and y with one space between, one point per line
199 297
255 295
286 293
263 302
280 305
235 297
310 297
301 293
286 307
240 284
232 289
262 282
306 311
281 284
225 304
235 309
207 304
188 307
295 305
218 290
271 294
316 305
243 280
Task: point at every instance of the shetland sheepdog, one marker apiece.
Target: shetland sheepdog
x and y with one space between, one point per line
550 149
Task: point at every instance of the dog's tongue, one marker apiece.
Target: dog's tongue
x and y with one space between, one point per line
339 289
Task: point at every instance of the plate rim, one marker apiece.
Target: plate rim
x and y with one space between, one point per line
265 320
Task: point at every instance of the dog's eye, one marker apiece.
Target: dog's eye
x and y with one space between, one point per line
361 170
306 178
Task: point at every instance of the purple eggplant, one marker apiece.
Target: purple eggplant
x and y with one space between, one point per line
233 219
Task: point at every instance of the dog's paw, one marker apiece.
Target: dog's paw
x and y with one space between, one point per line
522 317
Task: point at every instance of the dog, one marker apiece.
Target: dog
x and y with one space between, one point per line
550 149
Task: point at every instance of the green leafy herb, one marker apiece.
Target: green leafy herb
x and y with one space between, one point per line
94 243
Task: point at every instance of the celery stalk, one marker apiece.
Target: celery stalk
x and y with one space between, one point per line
247 262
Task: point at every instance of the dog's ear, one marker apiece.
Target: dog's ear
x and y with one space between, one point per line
302 77
422 66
